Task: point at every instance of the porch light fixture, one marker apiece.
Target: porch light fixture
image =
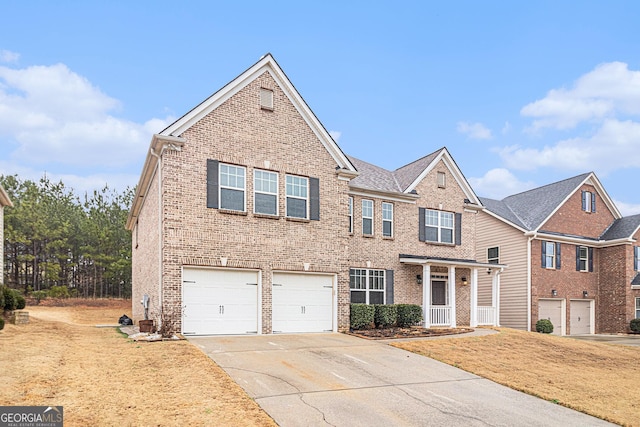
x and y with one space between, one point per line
554 293
419 279
464 280
489 270
585 294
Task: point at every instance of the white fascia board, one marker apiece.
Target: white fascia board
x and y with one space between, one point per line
445 156
394 197
579 241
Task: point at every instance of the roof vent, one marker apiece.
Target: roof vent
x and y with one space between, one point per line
266 99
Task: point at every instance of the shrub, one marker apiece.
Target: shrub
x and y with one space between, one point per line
39 295
20 301
59 292
362 316
1 323
385 315
544 326
1 298
409 314
10 298
635 325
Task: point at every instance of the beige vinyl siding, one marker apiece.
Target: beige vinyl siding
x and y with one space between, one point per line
492 232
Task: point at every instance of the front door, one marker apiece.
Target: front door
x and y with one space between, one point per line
438 292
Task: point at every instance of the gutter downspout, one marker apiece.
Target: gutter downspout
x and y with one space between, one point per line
533 236
160 233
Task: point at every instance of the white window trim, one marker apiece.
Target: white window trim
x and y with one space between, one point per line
350 214
497 259
368 217
221 187
287 196
265 192
389 220
368 280
637 310
585 259
440 227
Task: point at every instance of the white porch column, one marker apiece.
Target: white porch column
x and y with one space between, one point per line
473 321
452 295
495 295
426 295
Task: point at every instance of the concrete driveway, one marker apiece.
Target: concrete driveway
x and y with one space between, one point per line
341 380
630 340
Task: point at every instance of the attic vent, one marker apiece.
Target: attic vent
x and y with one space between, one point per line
266 99
441 180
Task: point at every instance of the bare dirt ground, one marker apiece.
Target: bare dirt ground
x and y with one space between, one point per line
599 379
101 377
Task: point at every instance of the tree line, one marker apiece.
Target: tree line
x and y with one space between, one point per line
58 242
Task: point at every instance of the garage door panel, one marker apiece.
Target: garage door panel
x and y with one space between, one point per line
302 303
551 310
219 302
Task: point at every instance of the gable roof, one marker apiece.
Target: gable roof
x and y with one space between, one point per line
622 228
266 64
531 209
405 179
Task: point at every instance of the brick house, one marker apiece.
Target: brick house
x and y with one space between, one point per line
248 218
572 257
4 201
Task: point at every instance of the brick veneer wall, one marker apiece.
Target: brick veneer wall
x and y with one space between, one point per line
240 132
615 284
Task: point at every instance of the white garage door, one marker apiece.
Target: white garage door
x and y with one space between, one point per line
551 310
219 301
302 302
580 318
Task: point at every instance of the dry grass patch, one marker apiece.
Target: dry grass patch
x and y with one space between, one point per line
103 378
598 379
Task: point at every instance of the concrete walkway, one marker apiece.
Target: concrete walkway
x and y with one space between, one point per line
341 380
630 340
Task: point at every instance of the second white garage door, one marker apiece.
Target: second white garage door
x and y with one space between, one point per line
580 317
302 302
551 309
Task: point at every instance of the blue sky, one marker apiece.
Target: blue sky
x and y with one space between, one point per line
521 93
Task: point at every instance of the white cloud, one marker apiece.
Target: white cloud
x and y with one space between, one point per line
335 134
499 183
627 209
506 128
56 116
610 89
613 146
7 56
474 130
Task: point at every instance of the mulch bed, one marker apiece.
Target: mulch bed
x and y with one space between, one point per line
412 332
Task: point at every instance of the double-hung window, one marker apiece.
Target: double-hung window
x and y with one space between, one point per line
350 214
367 217
582 259
297 196
637 307
265 189
439 226
493 255
387 219
551 256
588 201
367 286
232 187
636 258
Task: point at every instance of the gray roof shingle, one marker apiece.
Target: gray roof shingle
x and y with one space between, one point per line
622 228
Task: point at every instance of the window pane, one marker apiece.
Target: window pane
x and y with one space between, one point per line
296 186
231 199
232 176
367 208
376 279
431 234
386 228
431 218
446 219
446 235
387 211
367 226
358 297
266 204
492 255
376 297
296 208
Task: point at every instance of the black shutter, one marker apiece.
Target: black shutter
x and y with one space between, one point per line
458 229
593 202
421 225
212 184
314 199
577 258
584 200
591 260
544 254
389 286
558 256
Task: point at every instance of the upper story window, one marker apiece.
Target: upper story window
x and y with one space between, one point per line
636 258
439 226
266 99
297 196
387 219
350 214
588 201
367 286
583 260
367 217
265 192
551 256
442 180
232 187
493 255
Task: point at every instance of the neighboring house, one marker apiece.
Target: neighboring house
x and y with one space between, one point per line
572 257
248 218
4 201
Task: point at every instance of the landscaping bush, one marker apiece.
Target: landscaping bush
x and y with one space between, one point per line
386 315
1 298
20 301
39 295
544 326
635 326
59 292
362 316
10 298
409 314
